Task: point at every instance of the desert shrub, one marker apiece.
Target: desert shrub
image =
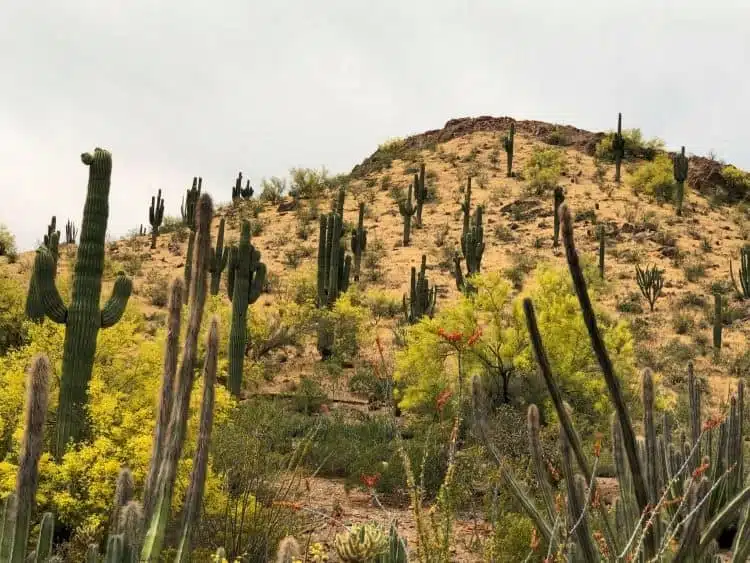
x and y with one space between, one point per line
7 244
522 264
655 178
156 288
682 323
631 303
272 189
382 305
349 323
13 324
511 538
694 270
738 181
125 382
308 183
172 224
543 169
635 146
309 396
441 234
300 286
372 260
294 256
366 381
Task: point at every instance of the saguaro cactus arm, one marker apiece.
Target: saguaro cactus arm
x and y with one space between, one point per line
115 306
49 296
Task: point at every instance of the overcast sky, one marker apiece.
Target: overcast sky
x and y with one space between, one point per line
178 89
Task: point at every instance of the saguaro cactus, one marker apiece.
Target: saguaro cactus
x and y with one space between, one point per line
743 290
83 318
34 307
602 242
359 241
618 147
238 192
420 194
189 203
422 297
472 245
407 210
155 216
559 199
71 232
466 209
680 175
245 279
508 145
217 261
718 322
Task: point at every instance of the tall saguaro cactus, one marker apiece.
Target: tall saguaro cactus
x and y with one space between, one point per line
155 217
718 322
420 194
472 245
240 193
508 142
189 203
559 199
217 261
34 307
245 279
359 241
71 232
466 208
680 175
83 318
407 210
422 297
743 289
602 243
618 147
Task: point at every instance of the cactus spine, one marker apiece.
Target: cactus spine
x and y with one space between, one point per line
359 241
407 210
559 199
680 175
743 290
34 306
718 317
508 145
27 477
187 209
238 192
155 216
217 261
83 318
71 232
164 488
422 297
420 194
618 147
245 280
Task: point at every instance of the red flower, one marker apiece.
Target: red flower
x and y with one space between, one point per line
442 399
711 423
370 481
700 470
474 337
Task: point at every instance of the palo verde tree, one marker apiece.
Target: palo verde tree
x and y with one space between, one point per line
83 318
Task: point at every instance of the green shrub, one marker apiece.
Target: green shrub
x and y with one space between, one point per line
543 169
511 539
272 190
156 288
13 329
7 244
308 183
635 146
738 181
655 178
631 304
171 224
309 397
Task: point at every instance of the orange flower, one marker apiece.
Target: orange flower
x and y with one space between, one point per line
700 470
474 337
601 543
442 399
450 336
712 423
598 444
370 481
534 540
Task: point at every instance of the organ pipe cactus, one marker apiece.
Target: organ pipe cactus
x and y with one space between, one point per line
650 282
662 484
34 307
422 297
217 260
83 318
559 199
187 210
245 280
155 216
175 434
680 164
508 146
238 192
420 195
71 232
618 147
407 210
472 245
359 241
743 290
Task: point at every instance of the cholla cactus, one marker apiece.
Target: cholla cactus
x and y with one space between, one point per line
361 543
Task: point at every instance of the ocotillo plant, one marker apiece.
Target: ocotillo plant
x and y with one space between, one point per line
245 278
559 199
422 297
680 175
155 216
420 195
164 488
472 246
34 307
718 322
618 147
602 243
217 261
334 267
240 193
665 488
650 282
508 146
18 519
71 232
407 210
743 290
187 209
359 241
83 318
